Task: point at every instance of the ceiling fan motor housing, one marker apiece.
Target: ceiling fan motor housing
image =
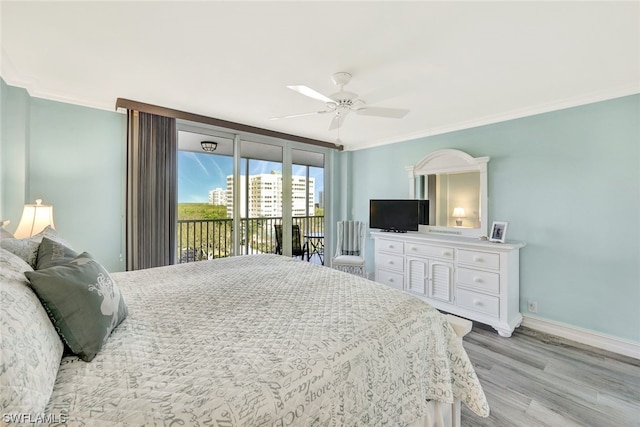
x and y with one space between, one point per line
343 101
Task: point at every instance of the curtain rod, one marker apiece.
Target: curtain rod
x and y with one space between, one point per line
177 114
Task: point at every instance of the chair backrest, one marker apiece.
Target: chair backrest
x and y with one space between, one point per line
278 228
296 240
351 238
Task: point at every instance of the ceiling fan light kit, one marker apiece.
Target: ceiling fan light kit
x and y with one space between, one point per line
342 103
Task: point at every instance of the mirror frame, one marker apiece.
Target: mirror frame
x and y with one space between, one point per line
453 161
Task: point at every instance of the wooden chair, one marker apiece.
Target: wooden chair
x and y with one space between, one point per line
297 248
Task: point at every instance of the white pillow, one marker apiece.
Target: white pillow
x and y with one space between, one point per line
27 248
13 262
30 348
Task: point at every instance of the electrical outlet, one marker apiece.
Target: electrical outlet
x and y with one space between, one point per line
532 306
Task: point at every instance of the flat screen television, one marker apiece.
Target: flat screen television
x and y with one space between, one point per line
399 215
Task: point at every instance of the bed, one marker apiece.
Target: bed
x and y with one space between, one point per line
257 340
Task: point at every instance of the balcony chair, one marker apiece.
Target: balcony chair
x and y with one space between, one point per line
349 256
297 248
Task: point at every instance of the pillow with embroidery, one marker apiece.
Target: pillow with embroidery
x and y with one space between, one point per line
52 253
83 302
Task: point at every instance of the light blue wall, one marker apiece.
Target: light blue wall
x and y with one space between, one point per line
15 127
568 183
73 158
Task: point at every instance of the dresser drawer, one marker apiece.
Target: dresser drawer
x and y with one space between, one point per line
429 250
480 259
478 279
390 262
389 246
390 278
475 301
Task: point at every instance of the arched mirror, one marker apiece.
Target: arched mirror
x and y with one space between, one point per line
455 184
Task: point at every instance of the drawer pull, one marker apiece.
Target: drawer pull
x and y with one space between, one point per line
477 258
477 279
390 262
477 302
390 280
446 253
391 246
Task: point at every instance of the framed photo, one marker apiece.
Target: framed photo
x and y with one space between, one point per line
498 231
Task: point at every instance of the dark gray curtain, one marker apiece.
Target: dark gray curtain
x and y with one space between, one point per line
151 190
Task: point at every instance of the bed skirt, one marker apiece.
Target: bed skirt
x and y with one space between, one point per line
440 415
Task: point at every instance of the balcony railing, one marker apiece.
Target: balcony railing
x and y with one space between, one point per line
201 239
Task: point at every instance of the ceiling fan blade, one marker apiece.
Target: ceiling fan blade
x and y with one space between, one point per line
305 90
337 121
299 115
394 113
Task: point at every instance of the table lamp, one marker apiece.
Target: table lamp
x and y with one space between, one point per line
34 219
458 214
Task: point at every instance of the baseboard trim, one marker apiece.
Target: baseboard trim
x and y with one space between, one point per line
584 336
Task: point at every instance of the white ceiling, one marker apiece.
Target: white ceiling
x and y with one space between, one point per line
453 64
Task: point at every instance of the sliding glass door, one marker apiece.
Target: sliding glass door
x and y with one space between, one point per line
205 204
307 197
247 196
260 196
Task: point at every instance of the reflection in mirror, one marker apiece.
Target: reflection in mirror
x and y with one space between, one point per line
454 199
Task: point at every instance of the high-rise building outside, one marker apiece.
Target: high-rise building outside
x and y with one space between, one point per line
265 195
218 197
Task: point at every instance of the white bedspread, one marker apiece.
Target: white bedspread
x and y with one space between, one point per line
264 340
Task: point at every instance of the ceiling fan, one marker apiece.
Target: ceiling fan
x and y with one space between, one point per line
342 103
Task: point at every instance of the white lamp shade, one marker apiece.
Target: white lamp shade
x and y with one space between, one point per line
34 219
458 213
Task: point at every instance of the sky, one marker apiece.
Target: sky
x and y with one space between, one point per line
199 173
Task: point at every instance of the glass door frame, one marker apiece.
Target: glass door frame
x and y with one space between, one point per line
287 157
287 193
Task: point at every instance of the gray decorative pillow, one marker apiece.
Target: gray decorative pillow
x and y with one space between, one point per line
27 249
52 253
83 302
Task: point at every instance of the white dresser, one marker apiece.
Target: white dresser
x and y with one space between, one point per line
471 278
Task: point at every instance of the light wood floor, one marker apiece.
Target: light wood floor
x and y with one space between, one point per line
535 379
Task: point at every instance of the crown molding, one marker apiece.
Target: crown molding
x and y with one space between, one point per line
8 73
563 104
